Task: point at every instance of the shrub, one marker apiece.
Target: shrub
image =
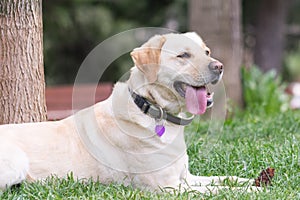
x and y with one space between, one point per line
263 92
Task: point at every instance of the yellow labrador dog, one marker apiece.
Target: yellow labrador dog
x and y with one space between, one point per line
136 136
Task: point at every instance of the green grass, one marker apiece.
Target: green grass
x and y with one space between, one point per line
246 145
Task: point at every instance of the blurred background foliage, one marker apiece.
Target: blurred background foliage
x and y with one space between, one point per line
292 55
264 93
72 28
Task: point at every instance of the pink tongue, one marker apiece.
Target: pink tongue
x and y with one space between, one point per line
196 100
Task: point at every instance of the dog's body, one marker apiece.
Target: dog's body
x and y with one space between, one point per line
114 141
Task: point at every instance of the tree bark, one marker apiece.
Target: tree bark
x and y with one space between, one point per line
270 34
22 84
219 23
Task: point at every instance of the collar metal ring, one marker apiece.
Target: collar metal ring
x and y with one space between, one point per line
161 113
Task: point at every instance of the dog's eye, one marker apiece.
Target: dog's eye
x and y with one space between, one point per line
207 52
184 55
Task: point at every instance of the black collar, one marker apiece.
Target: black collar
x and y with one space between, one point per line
157 112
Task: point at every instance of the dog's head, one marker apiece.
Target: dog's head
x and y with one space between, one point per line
178 68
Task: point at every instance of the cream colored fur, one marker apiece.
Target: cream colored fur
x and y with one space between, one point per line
113 141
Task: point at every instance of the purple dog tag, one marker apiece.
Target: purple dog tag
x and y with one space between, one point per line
160 129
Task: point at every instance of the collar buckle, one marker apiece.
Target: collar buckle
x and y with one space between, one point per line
157 112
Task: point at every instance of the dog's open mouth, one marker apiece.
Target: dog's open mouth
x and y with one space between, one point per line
197 98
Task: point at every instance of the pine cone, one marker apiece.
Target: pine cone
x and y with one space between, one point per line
265 177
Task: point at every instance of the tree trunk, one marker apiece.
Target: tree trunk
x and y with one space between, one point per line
22 85
270 34
218 22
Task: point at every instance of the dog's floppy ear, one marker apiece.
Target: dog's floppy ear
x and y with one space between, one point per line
147 57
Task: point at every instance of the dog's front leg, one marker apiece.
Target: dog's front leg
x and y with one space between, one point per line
215 184
218 189
216 180
207 190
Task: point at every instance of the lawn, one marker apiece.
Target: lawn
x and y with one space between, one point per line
247 144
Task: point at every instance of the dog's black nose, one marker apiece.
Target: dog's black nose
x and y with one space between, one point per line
216 67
